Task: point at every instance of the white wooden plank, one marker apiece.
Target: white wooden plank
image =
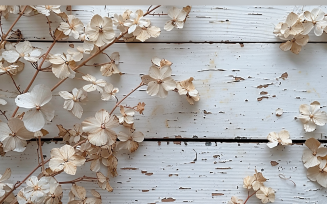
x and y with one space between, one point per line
227 109
173 173
211 23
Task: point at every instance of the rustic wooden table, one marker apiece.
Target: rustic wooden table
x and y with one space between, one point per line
199 153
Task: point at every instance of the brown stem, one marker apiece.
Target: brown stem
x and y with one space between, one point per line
101 50
11 27
50 31
83 178
249 196
13 80
41 154
38 70
20 183
117 104
79 143
4 114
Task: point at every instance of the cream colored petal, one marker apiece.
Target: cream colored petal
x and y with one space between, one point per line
138 136
34 120
169 84
297 28
77 110
310 126
56 164
20 145
301 39
70 168
286 46
313 144
309 160
66 95
162 93
98 138
321 152
95 165
291 19
8 144
25 100
77 160
320 118
322 179
296 49
48 112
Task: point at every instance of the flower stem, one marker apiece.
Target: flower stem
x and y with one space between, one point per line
117 104
249 196
83 178
3 38
41 154
13 80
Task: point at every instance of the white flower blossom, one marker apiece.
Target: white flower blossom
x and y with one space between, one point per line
62 65
73 27
311 115
100 30
111 68
39 110
36 189
314 19
126 115
45 9
95 84
136 19
295 44
144 33
177 18
109 92
311 156
23 49
283 138
292 26
319 173
72 101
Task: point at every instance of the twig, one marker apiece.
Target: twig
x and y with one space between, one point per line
101 50
249 196
117 104
50 31
11 27
20 183
41 154
3 113
79 143
83 178
38 70
13 80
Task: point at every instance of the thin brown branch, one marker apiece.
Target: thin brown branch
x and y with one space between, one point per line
38 70
79 143
83 178
249 196
101 50
21 182
117 104
50 31
4 114
41 154
3 38
13 80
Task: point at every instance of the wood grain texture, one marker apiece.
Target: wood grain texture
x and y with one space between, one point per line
205 23
192 172
240 85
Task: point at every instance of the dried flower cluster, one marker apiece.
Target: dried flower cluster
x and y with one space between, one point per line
93 139
256 183
296 28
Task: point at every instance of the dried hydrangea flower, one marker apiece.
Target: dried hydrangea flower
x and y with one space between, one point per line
159 81
73 27
64 158
144 33
126 115
5 187
131 141
11 68
96 155
76 55
136 19
36 189
45 9
119 20
177 16
319 173
140 107
62 66
295 44
235 200
266 194
311 115
100 30
109 92
95 84
111 68
315 19
248 181
72 101
37 101
283 138
292 25
23 49
75 134
55 193
258 181
159 63
99 128
77 192
103 182
187 88
14 135
310 156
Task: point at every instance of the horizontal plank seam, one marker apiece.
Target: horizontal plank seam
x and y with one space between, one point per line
236 140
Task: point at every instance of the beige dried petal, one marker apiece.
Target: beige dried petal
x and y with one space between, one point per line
247 182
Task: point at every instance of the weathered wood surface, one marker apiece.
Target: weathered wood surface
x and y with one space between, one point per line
198 172
240 86
205 23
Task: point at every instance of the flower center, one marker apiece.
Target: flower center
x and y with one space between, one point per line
66 62
311 116
38 107
100 29
159 81
12 134
103 126
36 188
314 153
